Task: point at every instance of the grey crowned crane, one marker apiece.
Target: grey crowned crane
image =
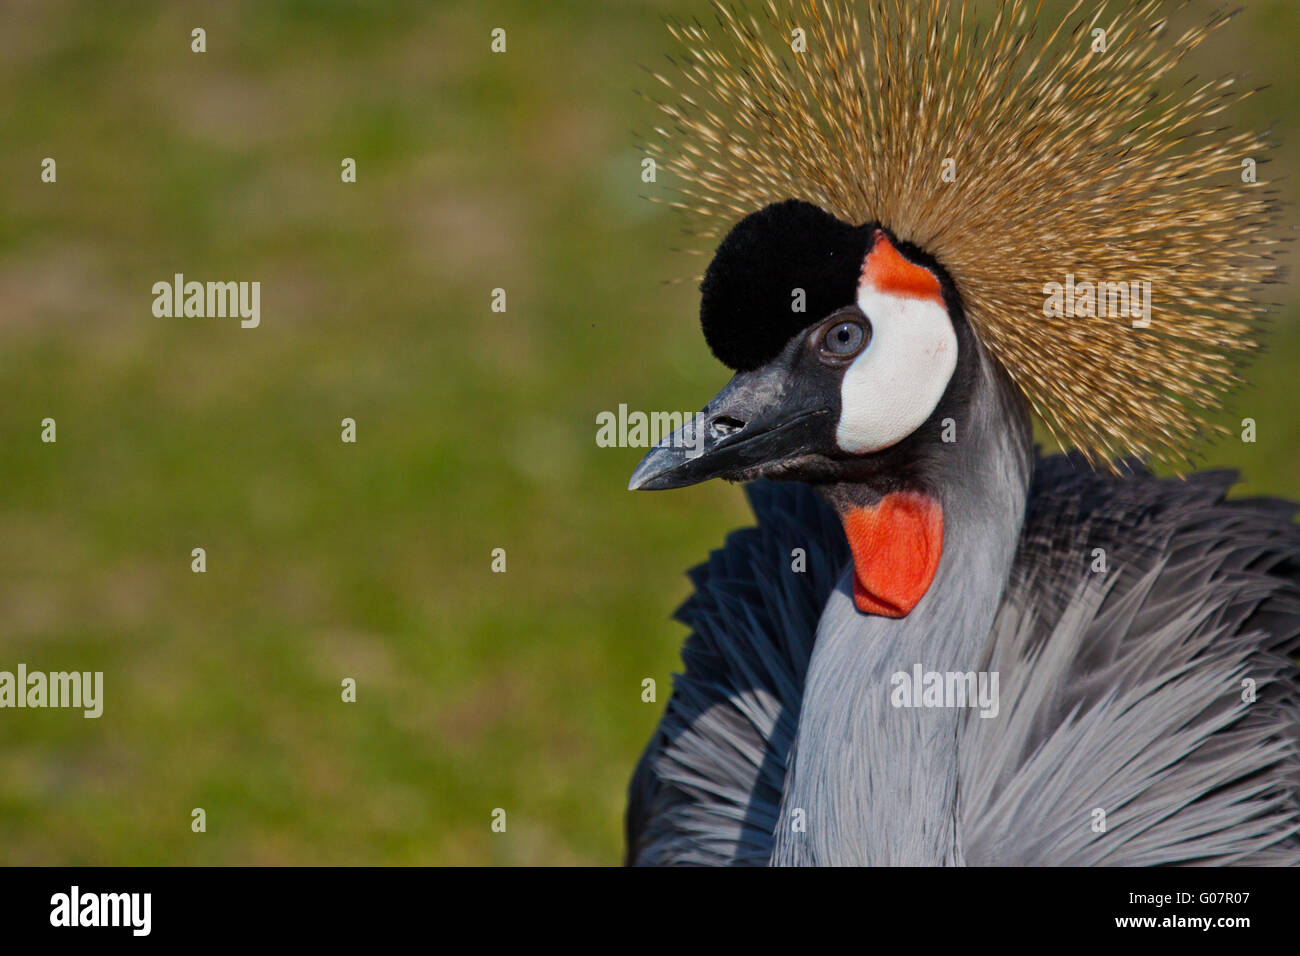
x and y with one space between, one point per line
923 213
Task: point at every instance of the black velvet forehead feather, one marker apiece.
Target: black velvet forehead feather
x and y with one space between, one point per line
747 304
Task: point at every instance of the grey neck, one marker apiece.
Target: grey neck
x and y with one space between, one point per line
872 782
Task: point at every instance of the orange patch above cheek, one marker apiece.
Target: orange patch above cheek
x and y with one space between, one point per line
896 545
885 270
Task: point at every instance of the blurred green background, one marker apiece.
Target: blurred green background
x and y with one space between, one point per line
475 429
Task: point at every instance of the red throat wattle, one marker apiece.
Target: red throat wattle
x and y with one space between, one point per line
896 544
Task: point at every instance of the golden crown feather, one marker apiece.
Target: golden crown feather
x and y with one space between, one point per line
1065 156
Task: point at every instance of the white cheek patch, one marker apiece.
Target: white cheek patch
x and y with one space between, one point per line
895 384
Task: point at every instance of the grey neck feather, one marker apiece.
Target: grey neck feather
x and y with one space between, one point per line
877 784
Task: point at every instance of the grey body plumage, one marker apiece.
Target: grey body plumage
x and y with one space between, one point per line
1121 691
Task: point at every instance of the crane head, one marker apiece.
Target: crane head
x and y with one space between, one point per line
845 343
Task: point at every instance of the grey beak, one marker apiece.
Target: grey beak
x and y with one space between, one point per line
759 418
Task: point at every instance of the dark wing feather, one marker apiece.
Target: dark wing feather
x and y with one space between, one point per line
708 787
1122 690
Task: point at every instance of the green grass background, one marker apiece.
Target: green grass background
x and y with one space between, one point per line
475 429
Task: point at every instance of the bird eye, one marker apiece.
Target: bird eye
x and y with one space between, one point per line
845 338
